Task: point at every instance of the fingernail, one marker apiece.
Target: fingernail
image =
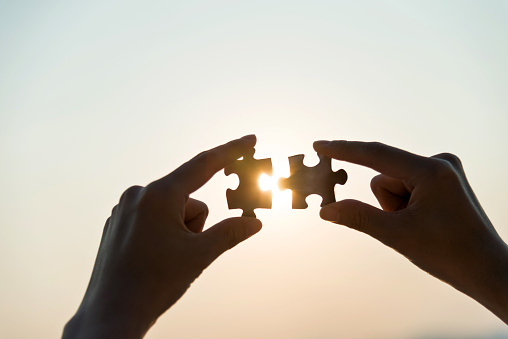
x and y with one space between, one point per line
329 214
249 137
253 226
321 143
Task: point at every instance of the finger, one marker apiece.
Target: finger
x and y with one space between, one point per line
361 217
230 232
197 171
391 193
385 159
195 215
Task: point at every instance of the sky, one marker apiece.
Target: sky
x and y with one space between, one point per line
98 96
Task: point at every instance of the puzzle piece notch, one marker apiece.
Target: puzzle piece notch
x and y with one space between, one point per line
319 179
248 195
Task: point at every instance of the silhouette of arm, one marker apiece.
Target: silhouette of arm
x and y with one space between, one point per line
153 247
430 215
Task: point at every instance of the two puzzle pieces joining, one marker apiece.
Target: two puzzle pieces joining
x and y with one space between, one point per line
303 181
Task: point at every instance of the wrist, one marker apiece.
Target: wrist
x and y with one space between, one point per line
97 323
489 282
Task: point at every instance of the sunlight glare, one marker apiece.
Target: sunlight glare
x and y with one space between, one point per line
267 182
279 198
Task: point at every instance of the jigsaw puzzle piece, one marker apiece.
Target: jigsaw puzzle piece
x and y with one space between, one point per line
248 196
319 179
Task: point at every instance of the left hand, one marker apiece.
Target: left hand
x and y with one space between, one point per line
153 247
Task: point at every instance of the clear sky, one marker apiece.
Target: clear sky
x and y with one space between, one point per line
97 96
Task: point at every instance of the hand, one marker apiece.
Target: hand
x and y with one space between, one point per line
430 215
153 248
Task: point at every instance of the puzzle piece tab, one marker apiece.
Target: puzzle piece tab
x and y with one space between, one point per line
319 179
248 195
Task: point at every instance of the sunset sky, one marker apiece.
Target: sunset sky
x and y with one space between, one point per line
97 96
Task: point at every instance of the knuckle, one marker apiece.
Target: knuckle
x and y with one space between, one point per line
210 160
204 209
131 193
451 158
231 236
149 196
207 160
359 221
106 225
375 183
440 169
338 143
374 148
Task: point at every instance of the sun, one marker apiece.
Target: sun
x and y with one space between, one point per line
267 182
270 183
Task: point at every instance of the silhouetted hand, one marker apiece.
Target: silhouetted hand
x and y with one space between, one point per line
430 215
153 248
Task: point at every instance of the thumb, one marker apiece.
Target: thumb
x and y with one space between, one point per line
230 232
359 216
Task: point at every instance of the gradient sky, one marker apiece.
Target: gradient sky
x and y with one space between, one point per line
97 96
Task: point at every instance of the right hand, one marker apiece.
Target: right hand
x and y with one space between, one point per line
430 215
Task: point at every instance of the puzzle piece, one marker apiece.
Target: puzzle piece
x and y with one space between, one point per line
319 179
248 195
